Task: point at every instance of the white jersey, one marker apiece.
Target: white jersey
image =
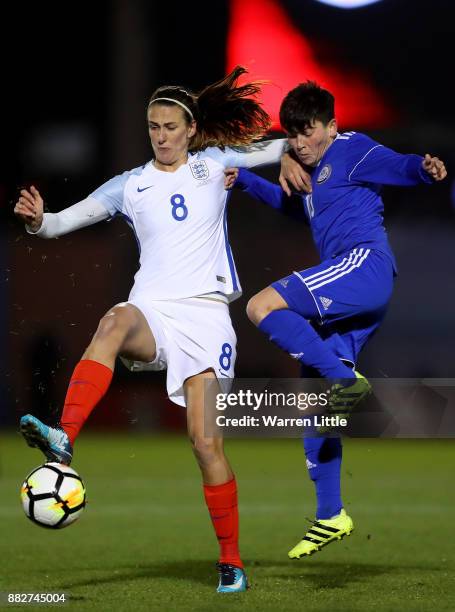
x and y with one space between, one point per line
179 220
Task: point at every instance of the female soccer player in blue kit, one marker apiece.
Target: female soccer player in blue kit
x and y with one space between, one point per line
324 315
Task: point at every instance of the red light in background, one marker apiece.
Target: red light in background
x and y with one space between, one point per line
262 38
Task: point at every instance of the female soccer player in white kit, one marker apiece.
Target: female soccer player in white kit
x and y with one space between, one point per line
177 314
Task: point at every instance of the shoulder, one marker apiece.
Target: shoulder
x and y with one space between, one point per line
215 153
356 146
119 180
111 192
125 176
347 136
211 156
359 141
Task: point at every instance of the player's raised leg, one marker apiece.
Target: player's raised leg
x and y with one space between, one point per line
123 330
284 312
271 310
220 489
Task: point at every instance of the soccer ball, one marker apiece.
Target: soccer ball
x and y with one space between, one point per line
53 495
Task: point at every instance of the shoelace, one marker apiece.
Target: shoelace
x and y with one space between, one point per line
326 531
58 437
314 522
227 573
311 521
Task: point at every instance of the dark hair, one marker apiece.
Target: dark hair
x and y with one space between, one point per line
174 92
226 113
304 105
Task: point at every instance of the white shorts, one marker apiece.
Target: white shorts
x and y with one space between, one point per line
191 335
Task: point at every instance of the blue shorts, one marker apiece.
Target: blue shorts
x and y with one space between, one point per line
345 298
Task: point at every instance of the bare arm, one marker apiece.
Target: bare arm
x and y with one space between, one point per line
293 172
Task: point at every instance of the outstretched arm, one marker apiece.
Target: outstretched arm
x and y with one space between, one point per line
265 191
369 161
291 171
29 209
262 154
256 154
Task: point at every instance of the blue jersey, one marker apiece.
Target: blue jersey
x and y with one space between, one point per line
345 209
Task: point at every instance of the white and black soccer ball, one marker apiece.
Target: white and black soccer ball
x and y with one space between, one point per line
53 495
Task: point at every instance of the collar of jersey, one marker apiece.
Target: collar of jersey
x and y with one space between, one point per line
161 172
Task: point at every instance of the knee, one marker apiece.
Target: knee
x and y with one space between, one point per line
206 450
113 327
257 309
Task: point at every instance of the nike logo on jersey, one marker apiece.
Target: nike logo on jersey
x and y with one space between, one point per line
143 188
223 374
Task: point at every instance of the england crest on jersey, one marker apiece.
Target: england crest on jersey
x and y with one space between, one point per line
200 170
324 174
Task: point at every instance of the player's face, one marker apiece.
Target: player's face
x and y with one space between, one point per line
170 135
314 142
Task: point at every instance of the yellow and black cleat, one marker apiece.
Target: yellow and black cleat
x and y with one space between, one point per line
342 400
321 533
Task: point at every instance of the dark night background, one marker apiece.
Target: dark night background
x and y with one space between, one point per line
76 80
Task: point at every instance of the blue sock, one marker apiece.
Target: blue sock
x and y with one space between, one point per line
294 334
323 457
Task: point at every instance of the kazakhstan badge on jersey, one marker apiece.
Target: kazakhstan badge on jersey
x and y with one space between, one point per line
324 174
200 170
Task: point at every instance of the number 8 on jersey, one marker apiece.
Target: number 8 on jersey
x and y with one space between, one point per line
179 210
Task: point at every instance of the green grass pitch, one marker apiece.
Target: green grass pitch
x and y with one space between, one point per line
145 541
